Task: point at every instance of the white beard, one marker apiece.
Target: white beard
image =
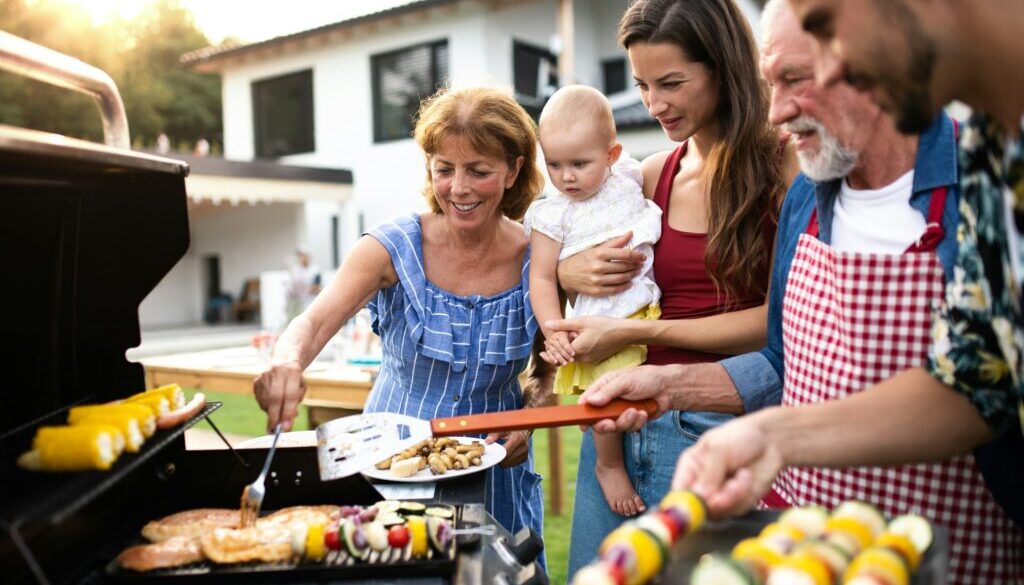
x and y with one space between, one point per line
831 161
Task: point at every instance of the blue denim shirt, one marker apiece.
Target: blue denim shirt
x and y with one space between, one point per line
758 375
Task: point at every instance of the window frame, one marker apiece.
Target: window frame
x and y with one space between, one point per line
259 131
379 136
610 62
533 103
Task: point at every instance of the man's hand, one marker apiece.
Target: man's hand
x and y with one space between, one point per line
279 391
732 466
517 446
602 270
632 384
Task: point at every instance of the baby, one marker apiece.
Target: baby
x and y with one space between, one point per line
600 197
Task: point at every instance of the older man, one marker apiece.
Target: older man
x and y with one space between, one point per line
915 55
859 263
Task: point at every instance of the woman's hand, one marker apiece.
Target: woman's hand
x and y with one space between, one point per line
594 338
279 390
517 446
602 270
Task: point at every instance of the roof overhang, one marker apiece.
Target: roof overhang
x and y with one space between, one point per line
219 180
215 59
257 190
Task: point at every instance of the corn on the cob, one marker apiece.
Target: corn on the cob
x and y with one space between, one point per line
124 420
157 403
72 448
140 412
172 392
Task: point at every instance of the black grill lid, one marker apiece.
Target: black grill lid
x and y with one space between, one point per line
86 232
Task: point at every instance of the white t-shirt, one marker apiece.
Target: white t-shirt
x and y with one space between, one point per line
879 221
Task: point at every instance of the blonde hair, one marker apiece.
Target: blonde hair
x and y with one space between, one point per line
494 125
576 105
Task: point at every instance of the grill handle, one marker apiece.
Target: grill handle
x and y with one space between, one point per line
42 64
537 418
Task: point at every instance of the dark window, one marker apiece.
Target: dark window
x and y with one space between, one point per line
283 114
614 71
400 80
534 75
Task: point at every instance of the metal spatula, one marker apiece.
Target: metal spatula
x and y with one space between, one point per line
348 445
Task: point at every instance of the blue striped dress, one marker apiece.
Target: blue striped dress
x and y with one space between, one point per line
447 355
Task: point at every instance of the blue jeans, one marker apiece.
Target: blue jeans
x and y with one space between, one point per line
650 456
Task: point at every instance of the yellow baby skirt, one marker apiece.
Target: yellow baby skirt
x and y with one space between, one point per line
575 377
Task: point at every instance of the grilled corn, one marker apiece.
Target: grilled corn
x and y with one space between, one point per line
172 392
72 448
142 414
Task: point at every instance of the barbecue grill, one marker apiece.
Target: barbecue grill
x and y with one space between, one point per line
88 231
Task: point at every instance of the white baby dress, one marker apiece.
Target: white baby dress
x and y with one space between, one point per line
618 206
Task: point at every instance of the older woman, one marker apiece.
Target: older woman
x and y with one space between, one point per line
448 291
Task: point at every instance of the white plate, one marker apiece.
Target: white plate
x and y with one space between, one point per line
493 455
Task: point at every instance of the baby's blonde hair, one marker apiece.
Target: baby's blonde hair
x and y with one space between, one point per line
576 105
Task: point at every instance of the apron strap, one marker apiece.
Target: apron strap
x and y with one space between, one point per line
933 230
812 225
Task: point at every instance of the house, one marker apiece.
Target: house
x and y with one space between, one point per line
342 95
245 218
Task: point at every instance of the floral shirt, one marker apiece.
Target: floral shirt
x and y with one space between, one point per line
978 332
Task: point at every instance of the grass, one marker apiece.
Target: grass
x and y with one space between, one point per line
240 415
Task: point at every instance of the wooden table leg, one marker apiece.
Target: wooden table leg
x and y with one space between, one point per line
555 473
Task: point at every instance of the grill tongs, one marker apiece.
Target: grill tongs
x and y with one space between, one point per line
252 494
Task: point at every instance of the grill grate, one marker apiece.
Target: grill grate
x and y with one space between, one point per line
336 565
55 497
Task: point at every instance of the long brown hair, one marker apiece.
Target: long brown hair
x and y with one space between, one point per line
742 173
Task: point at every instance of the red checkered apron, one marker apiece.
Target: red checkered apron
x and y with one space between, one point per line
851 320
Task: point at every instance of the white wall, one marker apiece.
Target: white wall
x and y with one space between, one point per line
316 233
249 240
177 299
642 143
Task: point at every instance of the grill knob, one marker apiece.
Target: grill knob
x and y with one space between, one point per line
526 547
532 575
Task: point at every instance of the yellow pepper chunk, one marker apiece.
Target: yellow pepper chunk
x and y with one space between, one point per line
418 535
316 549
882 562
690 503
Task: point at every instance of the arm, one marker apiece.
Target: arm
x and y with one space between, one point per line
280 389
735 332
704 387
601 271
544 293
911 417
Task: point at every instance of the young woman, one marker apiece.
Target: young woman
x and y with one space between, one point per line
695 63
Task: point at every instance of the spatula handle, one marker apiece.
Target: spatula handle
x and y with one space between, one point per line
536 418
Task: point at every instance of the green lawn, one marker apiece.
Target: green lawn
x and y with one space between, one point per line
240 415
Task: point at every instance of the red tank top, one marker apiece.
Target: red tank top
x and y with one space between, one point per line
687 290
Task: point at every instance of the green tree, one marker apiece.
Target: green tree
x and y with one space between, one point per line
141 55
